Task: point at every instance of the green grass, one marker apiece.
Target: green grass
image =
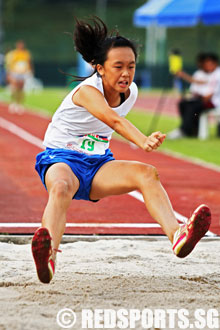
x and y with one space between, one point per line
46 101
144 122
207 150
49 99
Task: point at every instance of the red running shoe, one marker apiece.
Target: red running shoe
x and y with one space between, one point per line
188 235
42 253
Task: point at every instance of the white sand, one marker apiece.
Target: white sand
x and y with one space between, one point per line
116 273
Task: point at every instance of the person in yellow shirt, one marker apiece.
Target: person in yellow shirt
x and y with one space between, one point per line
175 66
18 69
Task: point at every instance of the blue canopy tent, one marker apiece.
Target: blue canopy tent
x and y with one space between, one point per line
172 13
146 15
159 14
175 13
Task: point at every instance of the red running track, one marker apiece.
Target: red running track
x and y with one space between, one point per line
23 197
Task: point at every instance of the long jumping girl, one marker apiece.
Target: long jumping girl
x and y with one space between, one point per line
77 162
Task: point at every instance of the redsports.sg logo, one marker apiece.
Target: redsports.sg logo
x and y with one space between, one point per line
143 319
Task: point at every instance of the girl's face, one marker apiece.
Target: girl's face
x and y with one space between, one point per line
118 70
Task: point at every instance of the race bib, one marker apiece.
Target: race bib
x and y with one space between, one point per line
89 144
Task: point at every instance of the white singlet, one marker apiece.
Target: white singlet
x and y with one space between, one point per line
210 87
73 127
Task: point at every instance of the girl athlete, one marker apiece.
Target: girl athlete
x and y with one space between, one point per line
77 162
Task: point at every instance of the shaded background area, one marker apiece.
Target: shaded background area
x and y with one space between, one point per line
42 25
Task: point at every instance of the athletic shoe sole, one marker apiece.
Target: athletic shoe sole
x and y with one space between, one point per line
41 250
195 229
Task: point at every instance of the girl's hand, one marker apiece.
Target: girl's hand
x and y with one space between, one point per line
153 141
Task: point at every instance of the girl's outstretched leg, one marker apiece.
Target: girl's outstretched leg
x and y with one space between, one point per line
62 185
183 238
118 177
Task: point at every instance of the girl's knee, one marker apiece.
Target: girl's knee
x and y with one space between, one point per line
62 189
154 173
148 173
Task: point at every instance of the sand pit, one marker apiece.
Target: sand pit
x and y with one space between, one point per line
107 274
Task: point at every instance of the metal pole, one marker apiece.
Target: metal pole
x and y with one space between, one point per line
101 6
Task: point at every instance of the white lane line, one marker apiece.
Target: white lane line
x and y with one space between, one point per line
73 225
39 143
139 196
5 124
180 217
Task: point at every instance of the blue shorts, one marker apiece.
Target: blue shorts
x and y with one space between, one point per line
82 165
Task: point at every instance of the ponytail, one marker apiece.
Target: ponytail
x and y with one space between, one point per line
88 39
93 42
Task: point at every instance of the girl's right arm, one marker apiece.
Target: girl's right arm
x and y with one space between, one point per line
93 100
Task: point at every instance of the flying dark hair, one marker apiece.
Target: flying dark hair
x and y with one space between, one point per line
93 41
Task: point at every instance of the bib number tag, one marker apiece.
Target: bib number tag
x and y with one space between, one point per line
89 144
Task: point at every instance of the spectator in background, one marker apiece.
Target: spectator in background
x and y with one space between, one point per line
18 69
205 94
175 66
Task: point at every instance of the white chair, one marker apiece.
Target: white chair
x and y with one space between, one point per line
203 132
